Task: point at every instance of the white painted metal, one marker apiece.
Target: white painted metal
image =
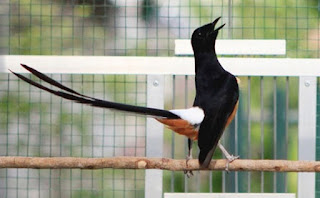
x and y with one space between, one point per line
237 47
159 65
229 195
307 133
154 136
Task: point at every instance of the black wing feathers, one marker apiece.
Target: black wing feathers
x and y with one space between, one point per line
219 109
80 98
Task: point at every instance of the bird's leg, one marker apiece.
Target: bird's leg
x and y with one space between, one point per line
189 173
229 157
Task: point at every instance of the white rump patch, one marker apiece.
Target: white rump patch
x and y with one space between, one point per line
193 115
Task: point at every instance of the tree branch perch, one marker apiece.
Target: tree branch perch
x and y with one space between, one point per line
156 163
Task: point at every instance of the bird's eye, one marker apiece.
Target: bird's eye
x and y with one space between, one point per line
199 33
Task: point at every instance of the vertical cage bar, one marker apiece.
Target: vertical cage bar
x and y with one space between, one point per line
307 133
249 130
210 182
281 140
318 135
242 135
224 172
275 130
7 138
154 136
262 130
286 131
186 181
103 136
173 134
236 123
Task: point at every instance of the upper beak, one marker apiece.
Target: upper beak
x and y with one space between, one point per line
214 24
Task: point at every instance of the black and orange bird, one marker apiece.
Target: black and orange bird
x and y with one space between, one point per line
214 107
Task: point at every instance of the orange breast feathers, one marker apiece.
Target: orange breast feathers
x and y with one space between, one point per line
180 126
183 127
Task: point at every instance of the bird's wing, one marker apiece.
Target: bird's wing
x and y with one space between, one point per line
215 121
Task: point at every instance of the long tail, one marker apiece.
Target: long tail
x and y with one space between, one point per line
70 94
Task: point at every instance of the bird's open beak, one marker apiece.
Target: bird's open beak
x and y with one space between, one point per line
214 24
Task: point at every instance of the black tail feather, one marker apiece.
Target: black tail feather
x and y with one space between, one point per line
80 98
50 80
205 157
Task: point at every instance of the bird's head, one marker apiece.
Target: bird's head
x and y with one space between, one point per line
203 38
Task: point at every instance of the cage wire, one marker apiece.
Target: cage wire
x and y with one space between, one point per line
34 123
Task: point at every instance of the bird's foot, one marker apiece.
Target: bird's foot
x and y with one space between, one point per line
189 173
230 158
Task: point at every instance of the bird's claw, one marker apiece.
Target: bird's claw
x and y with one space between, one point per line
188 158
189 173
230 159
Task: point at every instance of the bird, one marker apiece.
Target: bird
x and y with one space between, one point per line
214 107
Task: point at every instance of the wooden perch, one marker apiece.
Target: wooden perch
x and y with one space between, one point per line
156 163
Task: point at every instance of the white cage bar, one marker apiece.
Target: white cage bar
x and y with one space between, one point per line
159 65
237 47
